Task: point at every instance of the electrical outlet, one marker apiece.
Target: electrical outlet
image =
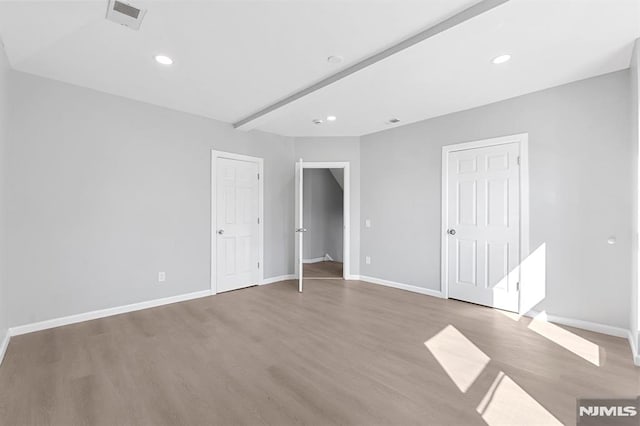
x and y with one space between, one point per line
367 260
162 277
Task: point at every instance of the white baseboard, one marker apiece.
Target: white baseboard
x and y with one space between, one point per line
584 325
634 348
543 316
401 286
102 313
278 279
87 316
326 258
4 345
590 326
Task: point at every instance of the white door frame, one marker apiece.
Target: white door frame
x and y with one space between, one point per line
523 140
346 216
260 162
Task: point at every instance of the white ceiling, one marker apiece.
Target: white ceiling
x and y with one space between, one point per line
552 42
235 57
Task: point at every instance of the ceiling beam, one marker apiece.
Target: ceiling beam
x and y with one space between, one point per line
479 8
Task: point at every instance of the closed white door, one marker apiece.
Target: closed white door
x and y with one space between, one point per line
483 222
237 227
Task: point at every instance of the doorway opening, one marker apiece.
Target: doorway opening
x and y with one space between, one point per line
322 219
323 211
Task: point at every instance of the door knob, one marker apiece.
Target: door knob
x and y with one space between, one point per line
301 230
220 232
451 232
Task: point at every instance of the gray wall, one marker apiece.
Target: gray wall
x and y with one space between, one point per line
4 110
580 176
635 138
105 192
323 215
339 149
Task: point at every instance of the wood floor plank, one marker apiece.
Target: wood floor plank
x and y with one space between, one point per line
325 269
342 352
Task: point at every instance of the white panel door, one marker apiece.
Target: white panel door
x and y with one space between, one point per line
484 225
237 224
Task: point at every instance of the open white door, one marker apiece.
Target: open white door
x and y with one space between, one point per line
300 230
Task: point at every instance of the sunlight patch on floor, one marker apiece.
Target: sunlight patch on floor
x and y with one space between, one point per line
506 403
580 346
459 357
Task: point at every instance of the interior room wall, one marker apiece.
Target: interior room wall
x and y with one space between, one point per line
635 137
580 181
323 209
339 149
105 192
4 123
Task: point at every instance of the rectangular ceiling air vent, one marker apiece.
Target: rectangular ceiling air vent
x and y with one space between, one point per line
125 14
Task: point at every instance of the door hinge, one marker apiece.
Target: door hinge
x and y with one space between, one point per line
258 265
518 286
258 221
258 176
518 160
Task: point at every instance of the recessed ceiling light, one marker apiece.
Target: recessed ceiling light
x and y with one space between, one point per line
164 60
501 59
335 59
331 118
317 121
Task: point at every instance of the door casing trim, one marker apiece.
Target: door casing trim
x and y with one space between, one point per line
260 162
523 140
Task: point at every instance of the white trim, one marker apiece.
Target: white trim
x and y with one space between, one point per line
523 140
634 348
314 260
87 316
541 316
281 278
260 162
346 217
581 324
4 345
401 286
590 326
73 319
525 245
325 164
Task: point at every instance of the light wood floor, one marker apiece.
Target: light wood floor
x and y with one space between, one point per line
341 353
323 269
